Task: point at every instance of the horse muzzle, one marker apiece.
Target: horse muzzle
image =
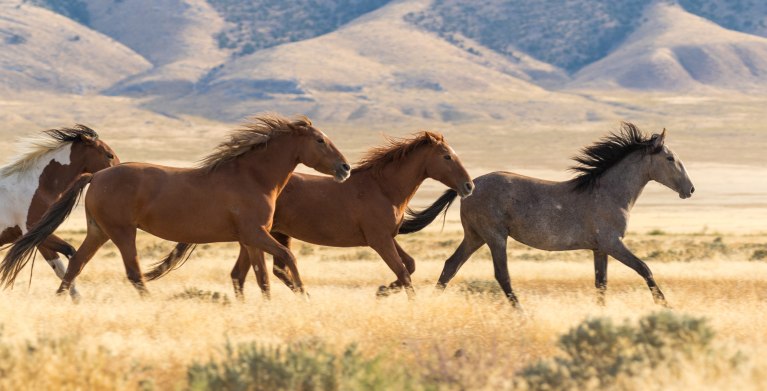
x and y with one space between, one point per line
343 171
466 190
685 194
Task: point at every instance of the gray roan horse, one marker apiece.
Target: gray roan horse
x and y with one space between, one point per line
590 211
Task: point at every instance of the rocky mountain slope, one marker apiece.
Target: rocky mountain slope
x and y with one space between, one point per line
441 60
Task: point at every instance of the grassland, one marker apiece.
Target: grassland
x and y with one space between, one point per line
466 338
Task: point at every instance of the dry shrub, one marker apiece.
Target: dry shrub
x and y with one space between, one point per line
600 354
303 366
61 364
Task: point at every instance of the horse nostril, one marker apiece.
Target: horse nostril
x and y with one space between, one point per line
346 167
469 186
692 190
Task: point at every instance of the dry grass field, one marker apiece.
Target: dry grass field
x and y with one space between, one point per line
466 338
709 255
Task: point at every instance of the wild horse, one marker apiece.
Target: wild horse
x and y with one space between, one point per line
366 210
590 211
229 197
36 178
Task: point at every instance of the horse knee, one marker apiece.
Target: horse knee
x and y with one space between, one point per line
409 265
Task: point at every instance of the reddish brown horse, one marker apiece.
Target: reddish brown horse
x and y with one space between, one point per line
366 210
34 180
230 197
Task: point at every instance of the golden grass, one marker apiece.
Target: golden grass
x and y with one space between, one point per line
114 339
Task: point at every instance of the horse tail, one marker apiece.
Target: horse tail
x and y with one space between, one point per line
172 261
416 221
24 247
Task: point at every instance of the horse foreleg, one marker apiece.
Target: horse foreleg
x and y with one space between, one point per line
261 239
240 272
278 268
600 275
387 249
618 250
396 286
258 261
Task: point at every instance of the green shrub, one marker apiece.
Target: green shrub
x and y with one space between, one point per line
600 354
299 367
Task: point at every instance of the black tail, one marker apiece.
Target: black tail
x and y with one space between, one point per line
24 247
416 221
173 261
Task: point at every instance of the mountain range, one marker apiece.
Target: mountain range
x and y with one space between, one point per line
383 60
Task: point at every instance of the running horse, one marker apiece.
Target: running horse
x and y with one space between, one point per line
591 211
366 210
230 196
38 176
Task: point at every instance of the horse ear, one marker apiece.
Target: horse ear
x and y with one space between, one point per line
659 140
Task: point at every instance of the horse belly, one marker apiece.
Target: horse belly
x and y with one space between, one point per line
551 232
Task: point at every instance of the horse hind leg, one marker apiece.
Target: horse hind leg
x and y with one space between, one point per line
125 240
94 239
500 265
469 245
52 258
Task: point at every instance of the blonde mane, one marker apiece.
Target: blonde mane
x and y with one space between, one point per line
252 134
33 149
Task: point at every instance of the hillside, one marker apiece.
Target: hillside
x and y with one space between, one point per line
378 67
42 50
384 60
678 51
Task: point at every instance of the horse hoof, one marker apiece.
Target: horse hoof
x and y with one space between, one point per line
383 291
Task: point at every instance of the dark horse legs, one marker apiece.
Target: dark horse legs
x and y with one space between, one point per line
618 250
600 275
258 261
470 244
396 286
48 249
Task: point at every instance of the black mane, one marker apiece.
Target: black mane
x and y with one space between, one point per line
68 135
596 159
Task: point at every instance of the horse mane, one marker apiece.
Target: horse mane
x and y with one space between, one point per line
396 149
256 132
594 160
32 149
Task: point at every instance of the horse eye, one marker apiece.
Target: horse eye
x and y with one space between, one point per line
448 157
110 156
321 141
670 158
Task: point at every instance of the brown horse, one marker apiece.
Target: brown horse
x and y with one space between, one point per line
366 210
229 197
34 180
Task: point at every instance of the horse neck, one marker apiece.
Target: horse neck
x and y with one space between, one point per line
624 182
270 166
56 169
400 180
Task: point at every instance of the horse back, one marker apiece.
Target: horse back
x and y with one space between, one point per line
540 213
